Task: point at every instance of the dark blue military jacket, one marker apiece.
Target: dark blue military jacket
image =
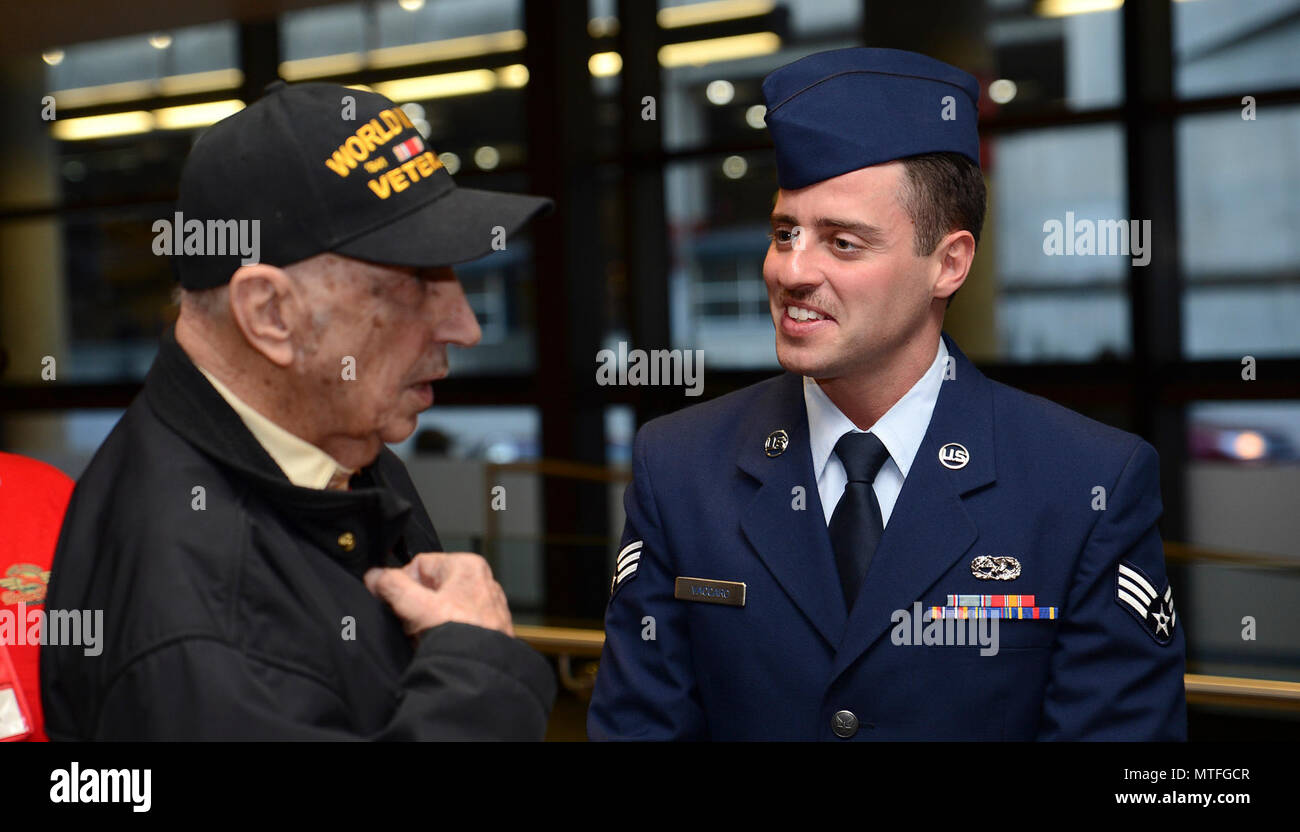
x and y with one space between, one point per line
1070 503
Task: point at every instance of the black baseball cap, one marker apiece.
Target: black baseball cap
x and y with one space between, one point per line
327 168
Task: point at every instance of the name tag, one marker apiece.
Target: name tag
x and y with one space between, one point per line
730 593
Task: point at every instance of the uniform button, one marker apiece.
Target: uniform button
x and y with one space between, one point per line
844 724
347 541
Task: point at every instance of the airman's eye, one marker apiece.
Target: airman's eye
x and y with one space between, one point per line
844 245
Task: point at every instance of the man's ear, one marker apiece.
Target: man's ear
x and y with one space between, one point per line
266 306
956 252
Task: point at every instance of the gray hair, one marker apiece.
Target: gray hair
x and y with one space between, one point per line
214 303
209 303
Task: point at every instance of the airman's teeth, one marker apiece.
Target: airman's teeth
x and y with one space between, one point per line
798 313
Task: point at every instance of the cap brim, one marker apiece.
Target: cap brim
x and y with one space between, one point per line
463 225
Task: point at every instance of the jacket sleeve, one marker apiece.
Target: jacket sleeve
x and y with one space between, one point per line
463 683
645 687
1116 675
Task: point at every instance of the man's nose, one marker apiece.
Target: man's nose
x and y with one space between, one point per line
460 325
796 268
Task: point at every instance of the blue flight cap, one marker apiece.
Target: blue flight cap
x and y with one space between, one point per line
838 111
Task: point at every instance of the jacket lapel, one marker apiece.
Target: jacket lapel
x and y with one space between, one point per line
929 528
793 544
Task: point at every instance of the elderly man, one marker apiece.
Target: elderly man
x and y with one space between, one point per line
263 564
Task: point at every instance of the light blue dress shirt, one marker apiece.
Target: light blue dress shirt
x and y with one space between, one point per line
901 430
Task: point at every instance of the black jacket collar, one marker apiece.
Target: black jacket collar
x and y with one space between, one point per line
373 513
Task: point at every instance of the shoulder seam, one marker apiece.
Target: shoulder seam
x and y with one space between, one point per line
1137 446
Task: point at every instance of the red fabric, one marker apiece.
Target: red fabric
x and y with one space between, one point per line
33 498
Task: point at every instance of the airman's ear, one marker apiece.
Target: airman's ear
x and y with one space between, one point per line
956 252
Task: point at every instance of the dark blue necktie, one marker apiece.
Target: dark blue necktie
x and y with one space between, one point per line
856 524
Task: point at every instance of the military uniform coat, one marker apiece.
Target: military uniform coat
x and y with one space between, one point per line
710 499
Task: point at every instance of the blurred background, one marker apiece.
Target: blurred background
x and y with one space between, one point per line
644 122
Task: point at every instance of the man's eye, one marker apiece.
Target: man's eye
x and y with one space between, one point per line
842 244
781 235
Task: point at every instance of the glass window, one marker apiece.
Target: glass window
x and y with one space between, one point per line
316 33
488 434
118 293
1055 54
1243 472
1062 305
712 86
620 431
1238 211
1242 475
502 292
501 287
1251 434
718 212
106 62
192 59
605 66
1235 46
440 20
452 459
1045 55
609 246
203 49
1213 597
344 38
66 439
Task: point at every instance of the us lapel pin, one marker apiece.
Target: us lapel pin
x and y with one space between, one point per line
777 442
954 455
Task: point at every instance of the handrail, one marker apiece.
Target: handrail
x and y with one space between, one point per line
1242 692
563 468
556 641
1188 553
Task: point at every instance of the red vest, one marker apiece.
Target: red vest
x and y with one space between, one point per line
33 498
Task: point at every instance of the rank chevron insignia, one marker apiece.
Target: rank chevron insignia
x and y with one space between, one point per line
1154 610
626 565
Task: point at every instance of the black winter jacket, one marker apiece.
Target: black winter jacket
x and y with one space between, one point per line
233 606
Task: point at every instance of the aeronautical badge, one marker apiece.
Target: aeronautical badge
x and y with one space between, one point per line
629 560
1153 610
995 568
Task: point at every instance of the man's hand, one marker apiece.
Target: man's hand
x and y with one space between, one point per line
437 587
